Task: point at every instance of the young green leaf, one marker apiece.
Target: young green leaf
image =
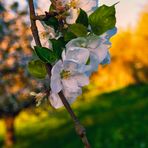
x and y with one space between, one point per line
82 18
53 22
78 29
37 69
58 46
1 8
69 36
103 19
45 54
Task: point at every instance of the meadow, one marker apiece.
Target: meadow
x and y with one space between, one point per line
113 120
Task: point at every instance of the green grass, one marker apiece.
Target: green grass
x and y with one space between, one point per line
113 120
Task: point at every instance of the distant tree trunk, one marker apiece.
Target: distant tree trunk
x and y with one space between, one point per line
10 131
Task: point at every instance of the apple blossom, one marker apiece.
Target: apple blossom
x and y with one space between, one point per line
76 54
98 47
87 5
74 61
70 96
45 33
66 77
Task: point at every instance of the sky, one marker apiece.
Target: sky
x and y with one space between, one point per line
127 10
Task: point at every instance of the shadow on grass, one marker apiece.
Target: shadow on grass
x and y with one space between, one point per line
113 120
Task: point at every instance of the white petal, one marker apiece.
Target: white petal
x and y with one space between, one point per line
100 52
88 5
50 30
71 96
46 43
42 7
57 68
70 84
93 65
70 65
56 85
81 79
107 35
45 33
33 43
74 67
55 100
65 2
93 41
78 42
63 55
40 26
73 15
77 54
106 60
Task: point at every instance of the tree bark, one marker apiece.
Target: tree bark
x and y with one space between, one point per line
10 131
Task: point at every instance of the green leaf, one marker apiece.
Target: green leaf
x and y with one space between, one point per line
103 19
14 6
58 46
78 29
1 8
88 61
53 22
37 69
82 18
1 28
69 36
45 54
51 8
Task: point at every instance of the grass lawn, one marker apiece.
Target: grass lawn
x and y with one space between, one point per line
113 120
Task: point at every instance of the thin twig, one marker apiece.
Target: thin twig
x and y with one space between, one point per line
78 127
80 130
40 17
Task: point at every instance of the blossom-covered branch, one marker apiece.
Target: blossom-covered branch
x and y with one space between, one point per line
79 128
70 41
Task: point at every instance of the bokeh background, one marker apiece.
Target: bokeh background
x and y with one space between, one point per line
113 108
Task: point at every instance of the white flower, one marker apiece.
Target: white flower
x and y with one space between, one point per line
98 47
107 35
66 77
42 6
45 33
72 16
107 59
95 46
76 54
87 5
56 101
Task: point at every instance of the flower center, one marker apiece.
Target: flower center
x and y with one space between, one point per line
83 45
74 4
65 74
44 35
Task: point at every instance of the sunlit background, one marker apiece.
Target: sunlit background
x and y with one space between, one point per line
113 108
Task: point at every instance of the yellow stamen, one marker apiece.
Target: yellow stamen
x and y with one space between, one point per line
65 74
43 35
73 4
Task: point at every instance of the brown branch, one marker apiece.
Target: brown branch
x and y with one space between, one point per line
33 23
80 130
78 127
40 17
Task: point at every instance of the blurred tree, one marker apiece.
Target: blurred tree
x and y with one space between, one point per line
140 45
15 83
